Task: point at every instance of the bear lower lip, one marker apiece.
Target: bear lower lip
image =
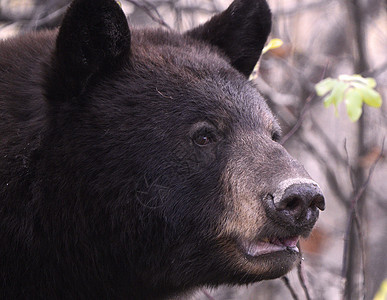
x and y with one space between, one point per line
267 246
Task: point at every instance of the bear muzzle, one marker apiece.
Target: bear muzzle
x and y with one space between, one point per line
296 202
294 208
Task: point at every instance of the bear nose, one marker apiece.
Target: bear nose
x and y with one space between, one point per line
299 199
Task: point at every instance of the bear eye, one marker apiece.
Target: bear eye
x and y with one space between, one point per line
203 134
203 138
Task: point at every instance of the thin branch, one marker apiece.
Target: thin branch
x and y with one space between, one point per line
351 171
329 173
365 184
301 276
303 80
354 219
328 142
362 251
197 9
34 19
346 245
304 109
301 8
291 290
151 10
300 119
55 15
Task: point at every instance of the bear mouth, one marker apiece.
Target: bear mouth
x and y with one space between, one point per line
271 245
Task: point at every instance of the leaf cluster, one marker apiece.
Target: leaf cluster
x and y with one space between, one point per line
353 89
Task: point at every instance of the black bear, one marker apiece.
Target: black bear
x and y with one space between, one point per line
143 164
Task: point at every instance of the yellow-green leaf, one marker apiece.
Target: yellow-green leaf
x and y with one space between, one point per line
354 103
354 88
356 79
382 293
371 82
370 96
273 44
344 77
254 73
325 86
337 94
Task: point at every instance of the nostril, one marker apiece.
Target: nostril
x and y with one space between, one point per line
290 203
293 204
318 201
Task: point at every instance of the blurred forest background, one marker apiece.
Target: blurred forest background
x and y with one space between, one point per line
345 257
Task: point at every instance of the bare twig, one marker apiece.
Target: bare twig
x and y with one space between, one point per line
299 121
55 15
301 276
350 169
151 11
34 20
362 251
328 142
304 109
197 9
291 290
354 219
295 72
329 172
301 8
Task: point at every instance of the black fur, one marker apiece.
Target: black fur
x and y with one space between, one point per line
126 157
94 38
240 32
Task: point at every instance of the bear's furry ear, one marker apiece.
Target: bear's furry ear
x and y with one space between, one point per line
94 36
240 32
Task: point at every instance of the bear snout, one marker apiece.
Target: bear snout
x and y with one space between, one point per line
296 201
